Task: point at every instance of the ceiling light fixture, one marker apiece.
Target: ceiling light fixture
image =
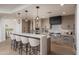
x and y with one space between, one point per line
64 13
62 4
26 16
18 18
37 17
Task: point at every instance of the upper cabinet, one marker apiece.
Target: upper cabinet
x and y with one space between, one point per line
57 20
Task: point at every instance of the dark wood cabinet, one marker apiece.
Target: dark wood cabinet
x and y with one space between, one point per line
49 46
57 20
25 26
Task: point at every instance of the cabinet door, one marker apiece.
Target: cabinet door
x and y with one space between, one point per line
57 20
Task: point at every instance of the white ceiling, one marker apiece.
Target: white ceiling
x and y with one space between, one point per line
55 9
6 8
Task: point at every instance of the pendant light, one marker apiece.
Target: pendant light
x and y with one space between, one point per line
37 17
26 16
18 18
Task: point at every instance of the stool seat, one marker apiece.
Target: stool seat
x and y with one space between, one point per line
13 41
25 45
24 40
18 38
18 43
12 37
35 46
34 42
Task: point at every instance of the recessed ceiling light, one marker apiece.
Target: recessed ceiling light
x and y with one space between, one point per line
49 12
61 4
43 16
64 12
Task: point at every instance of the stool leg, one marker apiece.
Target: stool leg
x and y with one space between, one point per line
20 47
16 45
11 44
38 49
26 48
29 49
34 50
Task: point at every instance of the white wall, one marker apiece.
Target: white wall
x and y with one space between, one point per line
18 27
68 21
77 29
0 31
45 23
12 23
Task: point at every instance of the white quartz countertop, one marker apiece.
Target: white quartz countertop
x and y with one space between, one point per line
33 35
30 35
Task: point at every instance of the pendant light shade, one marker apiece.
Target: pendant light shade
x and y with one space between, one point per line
26 11
37 17
26 16
18 21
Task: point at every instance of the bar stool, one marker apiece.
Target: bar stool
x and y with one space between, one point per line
25 44
35 44
13 41
18 43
